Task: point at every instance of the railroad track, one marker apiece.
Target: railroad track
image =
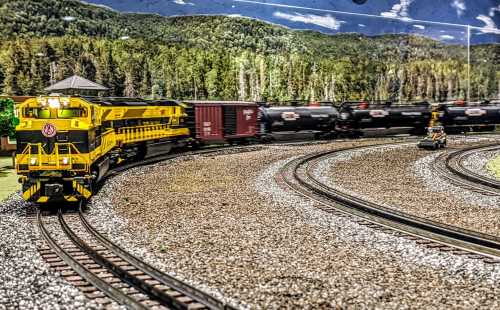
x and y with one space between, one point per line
298 176
440 166
454 162
107 273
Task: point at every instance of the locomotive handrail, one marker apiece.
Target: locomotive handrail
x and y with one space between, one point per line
141 133
57 160
108 141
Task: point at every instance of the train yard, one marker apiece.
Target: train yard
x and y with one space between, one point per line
249 155
135 203
238 228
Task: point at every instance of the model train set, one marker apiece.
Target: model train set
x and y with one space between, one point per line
65 144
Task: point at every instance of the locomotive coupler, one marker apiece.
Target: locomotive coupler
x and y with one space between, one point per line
53 190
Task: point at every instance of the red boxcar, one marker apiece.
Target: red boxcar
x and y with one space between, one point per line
222 121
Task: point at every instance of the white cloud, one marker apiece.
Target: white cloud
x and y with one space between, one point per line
327 21
459 6
446 37
361 25
182 2
69 18
494 9
235 15
399 10
102 6
419 27
489 24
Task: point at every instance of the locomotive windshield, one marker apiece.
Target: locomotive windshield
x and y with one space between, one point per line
60 113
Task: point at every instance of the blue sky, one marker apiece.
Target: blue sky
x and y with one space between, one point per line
377 16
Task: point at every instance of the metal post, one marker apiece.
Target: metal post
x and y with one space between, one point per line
468 63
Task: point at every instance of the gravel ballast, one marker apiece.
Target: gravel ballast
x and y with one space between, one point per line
403 178
478 161
26 282
223 224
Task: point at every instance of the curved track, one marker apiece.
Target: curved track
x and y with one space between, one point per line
101 269
106 272
455 164
297 175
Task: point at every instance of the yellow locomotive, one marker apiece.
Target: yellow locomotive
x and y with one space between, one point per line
66 144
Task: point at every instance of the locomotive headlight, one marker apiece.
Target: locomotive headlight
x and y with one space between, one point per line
65 160
344 115
33 161
54 103
65 101
42 101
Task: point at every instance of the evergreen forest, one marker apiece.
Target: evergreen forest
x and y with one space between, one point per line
218 57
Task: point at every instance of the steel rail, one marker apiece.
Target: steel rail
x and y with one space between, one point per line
196 295
455 163
148 289
439 165
452 236
83 272
165 279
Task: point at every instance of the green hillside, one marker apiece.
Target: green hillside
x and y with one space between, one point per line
225 57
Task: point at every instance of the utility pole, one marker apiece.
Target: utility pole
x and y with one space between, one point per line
468 63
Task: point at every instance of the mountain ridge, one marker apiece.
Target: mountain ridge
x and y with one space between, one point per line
72 17
325 16
220 57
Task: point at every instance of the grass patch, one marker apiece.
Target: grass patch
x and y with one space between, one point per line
494 167
8 178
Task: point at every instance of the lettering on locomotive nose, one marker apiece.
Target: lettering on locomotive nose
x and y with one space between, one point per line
49 130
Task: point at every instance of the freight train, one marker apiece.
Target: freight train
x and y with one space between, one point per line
319 120
66 144
355 118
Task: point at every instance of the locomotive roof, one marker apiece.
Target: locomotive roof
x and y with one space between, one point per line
126 102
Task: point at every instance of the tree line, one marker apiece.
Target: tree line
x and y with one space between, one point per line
137 67
7 117
220 57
